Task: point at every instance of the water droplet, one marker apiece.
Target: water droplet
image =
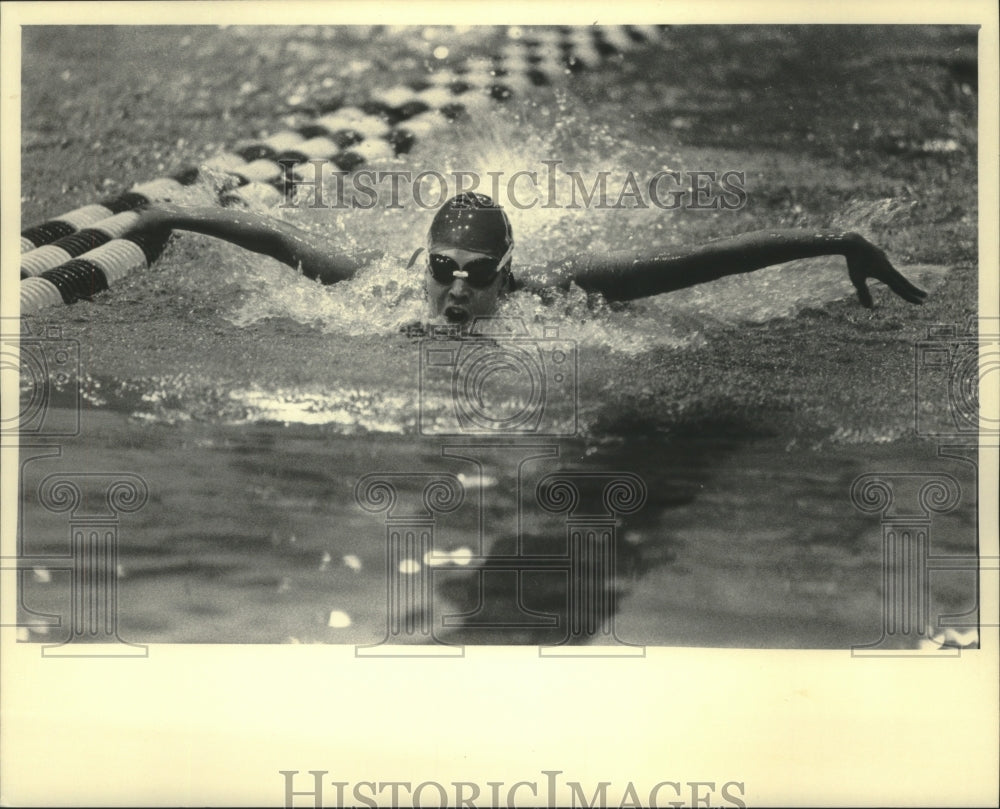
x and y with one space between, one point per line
338 620
961 639
409 566
433 560
476 481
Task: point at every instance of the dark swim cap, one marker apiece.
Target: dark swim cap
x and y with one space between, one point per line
474 222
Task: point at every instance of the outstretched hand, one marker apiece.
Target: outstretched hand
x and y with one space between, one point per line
865 261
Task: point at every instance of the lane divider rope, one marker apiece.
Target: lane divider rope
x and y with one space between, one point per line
81 253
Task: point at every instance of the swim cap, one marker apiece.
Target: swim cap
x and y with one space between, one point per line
474 222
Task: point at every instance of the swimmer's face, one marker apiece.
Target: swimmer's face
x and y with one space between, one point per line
456 299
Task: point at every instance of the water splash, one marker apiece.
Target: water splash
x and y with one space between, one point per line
550 135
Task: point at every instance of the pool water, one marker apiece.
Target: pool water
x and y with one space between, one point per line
252 402
254 533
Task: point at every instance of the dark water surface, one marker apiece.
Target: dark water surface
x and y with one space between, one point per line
254 534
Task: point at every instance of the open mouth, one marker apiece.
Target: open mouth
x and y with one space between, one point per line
456 314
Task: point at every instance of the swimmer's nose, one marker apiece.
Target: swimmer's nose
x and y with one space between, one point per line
459 290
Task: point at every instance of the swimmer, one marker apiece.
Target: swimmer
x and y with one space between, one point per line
470 249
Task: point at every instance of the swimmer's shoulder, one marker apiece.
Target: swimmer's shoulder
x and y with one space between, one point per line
556 274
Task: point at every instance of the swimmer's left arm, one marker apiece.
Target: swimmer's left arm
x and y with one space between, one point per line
622 276
261 234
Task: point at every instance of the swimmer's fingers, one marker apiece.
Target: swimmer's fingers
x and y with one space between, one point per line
864 296
872 263
906 290
898 283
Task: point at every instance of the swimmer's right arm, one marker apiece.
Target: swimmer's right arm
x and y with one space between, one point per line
260 234
624 276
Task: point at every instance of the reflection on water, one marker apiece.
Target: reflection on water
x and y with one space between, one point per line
585 534
255 534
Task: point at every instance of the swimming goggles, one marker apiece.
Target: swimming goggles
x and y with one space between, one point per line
478 272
